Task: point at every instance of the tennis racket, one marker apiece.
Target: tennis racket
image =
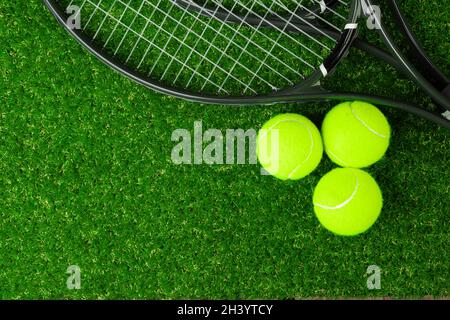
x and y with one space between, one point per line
247 52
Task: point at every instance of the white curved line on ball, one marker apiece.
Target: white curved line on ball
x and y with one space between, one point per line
343 204
309 154
366 125
334 155
310 136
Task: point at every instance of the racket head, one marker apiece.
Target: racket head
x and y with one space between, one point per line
220 63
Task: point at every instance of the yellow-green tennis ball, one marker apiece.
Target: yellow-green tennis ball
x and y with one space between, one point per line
347 201
355 134
289 146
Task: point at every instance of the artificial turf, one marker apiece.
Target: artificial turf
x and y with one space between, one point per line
86 179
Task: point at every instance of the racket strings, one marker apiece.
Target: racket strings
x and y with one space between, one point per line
268 53
216 64
195 49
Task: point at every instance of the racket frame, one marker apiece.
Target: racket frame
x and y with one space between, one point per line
343 44
308 90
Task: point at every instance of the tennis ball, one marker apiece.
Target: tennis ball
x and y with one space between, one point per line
289 146
347 201
355 134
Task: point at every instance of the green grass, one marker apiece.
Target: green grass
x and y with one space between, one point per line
86 179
